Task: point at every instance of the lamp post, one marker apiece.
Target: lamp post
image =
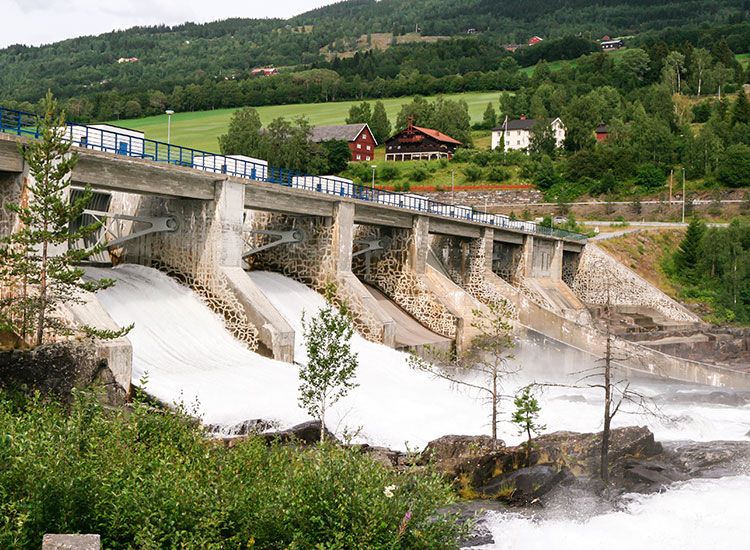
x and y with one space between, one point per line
374 166
169 113
453 188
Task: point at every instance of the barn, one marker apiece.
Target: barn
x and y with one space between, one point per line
415 143
359 137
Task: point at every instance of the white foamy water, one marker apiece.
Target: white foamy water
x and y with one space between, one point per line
189 356
702 514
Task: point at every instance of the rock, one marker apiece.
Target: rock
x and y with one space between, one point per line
650 476
728 398
452 454
708 459
387 457
306 433
526 485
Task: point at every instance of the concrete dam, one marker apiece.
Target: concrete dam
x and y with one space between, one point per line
411 271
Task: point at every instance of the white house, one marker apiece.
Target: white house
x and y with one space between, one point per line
517 133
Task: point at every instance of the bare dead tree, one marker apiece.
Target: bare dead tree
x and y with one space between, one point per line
488 357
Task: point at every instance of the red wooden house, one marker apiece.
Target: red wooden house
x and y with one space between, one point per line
359 137
415 143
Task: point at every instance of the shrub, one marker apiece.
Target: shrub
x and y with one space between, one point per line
389 172
734 170
473 172
150 479
649 175
419 173
405 187
498 173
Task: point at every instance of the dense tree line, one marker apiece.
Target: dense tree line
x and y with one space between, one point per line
713 265
206 66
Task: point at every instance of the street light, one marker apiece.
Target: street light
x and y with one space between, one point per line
374 166
169 113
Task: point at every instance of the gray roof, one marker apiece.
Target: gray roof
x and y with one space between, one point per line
345 132
524 123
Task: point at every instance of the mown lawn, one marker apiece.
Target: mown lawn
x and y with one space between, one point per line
201 129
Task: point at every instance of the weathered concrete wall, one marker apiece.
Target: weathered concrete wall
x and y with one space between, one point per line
400 273
10 192
322 261
600 278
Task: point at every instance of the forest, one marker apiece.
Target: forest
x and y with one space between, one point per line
207 66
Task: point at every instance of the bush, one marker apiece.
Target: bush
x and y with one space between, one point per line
649 176
419 173
498 173
734 170
473 172
405 187
150 479
389 172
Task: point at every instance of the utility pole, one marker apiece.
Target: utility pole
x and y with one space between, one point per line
374 166
671 180
683 195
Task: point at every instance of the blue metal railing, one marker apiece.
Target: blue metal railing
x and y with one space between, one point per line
129 143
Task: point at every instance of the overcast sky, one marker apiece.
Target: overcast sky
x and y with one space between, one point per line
36 22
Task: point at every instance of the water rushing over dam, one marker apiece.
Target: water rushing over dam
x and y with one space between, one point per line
182 348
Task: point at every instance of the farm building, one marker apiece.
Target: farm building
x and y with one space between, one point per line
359 137
611 44
264 71
602 132
535 40
517 133
415 143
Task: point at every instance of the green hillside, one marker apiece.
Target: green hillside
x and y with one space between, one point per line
201 129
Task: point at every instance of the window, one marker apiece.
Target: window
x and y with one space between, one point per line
518 142
359 157
367 157
368 148
364 135
359 146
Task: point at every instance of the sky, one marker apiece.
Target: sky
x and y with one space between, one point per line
35 22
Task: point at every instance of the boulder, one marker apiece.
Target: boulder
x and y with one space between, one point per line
248 427
728 398
649 476
710 459
453 454
526 485
306 433
387 457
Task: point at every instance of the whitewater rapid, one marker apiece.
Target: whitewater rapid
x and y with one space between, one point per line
186 355
702 514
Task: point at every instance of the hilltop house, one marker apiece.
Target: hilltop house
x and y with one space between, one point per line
264 71
516 134
611 44
601 132
535 40
359 137
415 143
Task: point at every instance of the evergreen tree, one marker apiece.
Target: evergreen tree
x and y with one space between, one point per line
331 364
380 125
489 120
689 252
741 110
526 417
360 114
40 265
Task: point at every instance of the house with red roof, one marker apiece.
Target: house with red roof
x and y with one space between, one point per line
535 40
417 143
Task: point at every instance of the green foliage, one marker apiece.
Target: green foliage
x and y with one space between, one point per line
497 173
734 170
446 115
542 139
526 417
419 173
39 263
146 478
544 173
379 124
489 119
741 109
473 172
360 114
388 172
689 253
243 136
337 155
649 176
329 372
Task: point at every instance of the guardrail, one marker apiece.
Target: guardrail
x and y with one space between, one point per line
130 144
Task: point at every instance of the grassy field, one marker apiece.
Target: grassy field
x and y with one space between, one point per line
201 130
